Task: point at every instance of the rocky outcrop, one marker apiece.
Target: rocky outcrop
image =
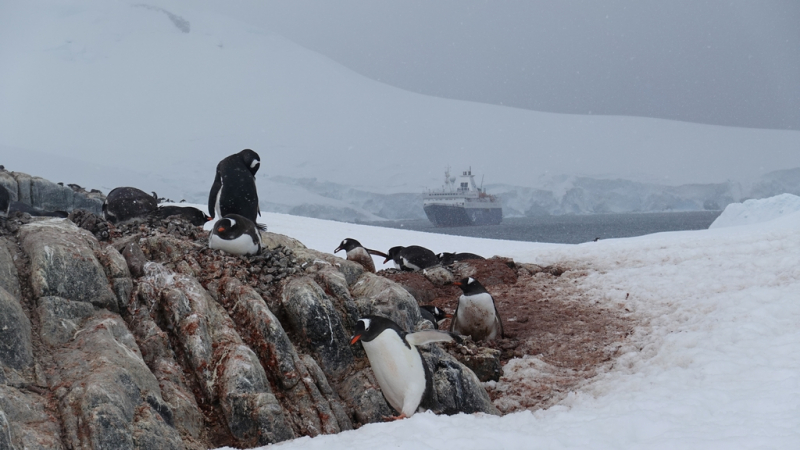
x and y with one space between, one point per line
49 196
152 340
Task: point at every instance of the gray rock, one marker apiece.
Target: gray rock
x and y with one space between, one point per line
379 296
50 196
24 183
116 269
15 333
275 240
335 284
134 258
456 388
484 362
26 422
227 370
9 280
311 402
361 393
308 258
8 182
438 275
63 263
60 318
316 320
105 389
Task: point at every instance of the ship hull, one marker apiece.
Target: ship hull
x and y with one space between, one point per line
459 216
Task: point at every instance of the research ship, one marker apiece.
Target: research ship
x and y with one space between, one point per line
461 202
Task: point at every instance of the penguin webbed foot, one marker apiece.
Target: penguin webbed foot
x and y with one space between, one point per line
394 418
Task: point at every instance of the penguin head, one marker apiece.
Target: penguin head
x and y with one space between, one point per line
437 313
446 259
370 327
226 227
470 286
393 254
251 160
347 245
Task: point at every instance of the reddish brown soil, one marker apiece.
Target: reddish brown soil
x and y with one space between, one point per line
557 328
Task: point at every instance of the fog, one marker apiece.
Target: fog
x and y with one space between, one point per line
153 95
732 63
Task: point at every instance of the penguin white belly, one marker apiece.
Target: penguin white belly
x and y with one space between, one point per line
476 317
242 245
410 265
361 256
398 370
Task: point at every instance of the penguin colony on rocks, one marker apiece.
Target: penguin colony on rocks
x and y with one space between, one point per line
398 365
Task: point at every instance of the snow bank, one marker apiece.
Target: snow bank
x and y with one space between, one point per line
758 211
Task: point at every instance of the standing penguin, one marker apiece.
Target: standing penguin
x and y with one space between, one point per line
402 374
125 203
235 234
476 314
411 258
358 253
234 189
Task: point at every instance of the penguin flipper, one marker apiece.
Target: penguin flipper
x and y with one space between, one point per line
427 336
376 253
499 321
212 196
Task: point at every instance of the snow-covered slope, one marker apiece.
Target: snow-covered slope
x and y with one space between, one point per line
168 88
712 365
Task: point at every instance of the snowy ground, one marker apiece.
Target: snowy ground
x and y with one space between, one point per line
716 363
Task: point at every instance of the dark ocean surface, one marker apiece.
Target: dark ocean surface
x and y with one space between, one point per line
571 229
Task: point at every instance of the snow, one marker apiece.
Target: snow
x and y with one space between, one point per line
757 211
713 363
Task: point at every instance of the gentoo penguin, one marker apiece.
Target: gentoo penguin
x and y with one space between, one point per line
358 253
234 189
476 314
124 203
433 314
402 374
235 234
5 201
447 259
411 258
189 213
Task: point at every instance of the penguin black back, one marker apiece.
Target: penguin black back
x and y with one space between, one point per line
189 213
447 259
125 203
234 188
433 314
412 257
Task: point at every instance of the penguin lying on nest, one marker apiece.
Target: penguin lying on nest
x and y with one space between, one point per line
401 372
236 235
125 203
447 259
360 254
411 258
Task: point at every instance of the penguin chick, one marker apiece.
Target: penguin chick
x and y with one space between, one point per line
235 234
433 314
402 374
358 253
476 314
411 258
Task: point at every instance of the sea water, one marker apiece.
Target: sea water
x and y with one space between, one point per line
571 229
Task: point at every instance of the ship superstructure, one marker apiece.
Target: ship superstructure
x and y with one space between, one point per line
461 202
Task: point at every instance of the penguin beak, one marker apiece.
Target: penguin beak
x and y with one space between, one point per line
220 229
355 339
386 260
457 283
337 249
448 316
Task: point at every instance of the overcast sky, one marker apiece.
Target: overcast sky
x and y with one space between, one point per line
721 62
